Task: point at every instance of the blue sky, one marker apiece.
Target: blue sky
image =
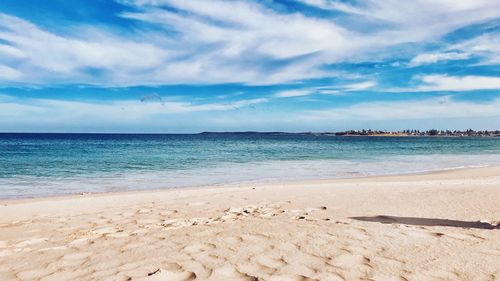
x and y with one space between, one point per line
273 65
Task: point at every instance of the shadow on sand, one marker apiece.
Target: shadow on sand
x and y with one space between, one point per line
428 222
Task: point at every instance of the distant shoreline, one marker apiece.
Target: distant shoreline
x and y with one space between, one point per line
352 133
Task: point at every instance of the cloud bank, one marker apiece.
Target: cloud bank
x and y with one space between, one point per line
210 42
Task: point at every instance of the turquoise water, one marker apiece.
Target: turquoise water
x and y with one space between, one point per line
34 165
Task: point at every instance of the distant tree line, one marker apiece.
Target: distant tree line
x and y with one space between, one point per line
432 132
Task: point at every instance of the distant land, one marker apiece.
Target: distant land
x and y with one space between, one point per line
380 133
349 133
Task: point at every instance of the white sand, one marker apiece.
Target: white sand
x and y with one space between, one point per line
417 227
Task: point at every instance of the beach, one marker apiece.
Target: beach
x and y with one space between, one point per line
432 226
273 140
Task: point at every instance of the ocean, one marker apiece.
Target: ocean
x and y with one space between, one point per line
35 165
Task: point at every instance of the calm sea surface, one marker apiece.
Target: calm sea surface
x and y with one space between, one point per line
34 165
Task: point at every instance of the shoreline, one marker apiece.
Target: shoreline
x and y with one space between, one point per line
242 184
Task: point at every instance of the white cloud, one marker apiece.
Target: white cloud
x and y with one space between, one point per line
240 40
248 35
249 26
426 20
443 82
486 47
406 110
429 58
359 86
203 53
60 111
121 116
458 83
7 52
226 42
332 5
294 93
50 115
8 73
249 29
41 54
327 90
418 19
332 90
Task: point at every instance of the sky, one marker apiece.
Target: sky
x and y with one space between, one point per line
187 66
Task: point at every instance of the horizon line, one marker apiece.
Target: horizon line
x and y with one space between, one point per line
248 132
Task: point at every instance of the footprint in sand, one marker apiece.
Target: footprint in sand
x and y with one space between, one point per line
492 252
228 272
31 242
77 256
350 260
435 275
167 213
104 230
310 210
199 247
5 253
254 211
79 241
3 244
144 211
193 204
119 234
269 261
233 240
464 237
139 232
58 248
386 262
34 274
167 275
251 268
148 221
292 278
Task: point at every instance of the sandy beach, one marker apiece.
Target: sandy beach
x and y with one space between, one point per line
436 226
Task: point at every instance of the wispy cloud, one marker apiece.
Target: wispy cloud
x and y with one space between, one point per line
43 57
119 111
359 86
458 83
429 58
443 107
448 83
418 19
261 45
210 42
49 115
294 93
486 47
8 73
327 90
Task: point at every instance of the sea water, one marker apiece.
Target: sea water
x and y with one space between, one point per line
33 165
